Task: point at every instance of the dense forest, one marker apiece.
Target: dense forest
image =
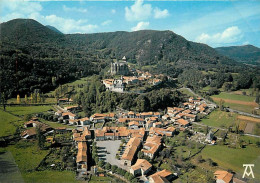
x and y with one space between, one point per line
94 98
39 57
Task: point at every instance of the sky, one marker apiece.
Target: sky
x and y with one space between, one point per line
216 23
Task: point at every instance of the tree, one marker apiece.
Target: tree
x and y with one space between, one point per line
31 98
3 99
108 166
40 137
101 163
18 99
114 168
38 98
25 99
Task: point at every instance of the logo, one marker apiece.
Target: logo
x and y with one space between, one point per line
250 170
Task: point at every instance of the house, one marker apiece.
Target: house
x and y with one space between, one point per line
141 167
82 164
146 114
29 133
83 121
131 114
60 130
156 82
99 134
98 118
157 124
152 146
71 108
130 152
164 176
169 132
182 122
58 113
69 115
133 124
189 117
222 176
86 133
122 120
73 121
166 117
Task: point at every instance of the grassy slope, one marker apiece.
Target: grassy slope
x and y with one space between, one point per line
22 110
7 122
233 159
26 154
219 119
50 176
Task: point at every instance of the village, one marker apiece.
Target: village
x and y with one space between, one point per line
127 140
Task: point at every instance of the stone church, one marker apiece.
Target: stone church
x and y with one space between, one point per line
120 67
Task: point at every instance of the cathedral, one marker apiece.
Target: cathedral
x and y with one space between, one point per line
120 67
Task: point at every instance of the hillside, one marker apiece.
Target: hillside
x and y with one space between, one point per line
34 56
246 54
148 47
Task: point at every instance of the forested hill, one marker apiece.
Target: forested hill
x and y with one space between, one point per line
150 47
246 54
33 56
145 47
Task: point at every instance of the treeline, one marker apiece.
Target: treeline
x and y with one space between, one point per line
21 73
94 98
248 78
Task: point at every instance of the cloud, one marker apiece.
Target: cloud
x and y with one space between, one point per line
140 26
138 11
18 9
74 9
28 9
229 35
70 25
107 22
246 43
217 20
160 13
113 11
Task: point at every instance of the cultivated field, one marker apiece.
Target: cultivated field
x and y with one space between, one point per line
235 101
219 118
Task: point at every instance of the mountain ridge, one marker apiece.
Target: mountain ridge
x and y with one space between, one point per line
249 54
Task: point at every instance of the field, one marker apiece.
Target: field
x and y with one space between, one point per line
22 110
235 101
248 119
8 122
26 154
219 118
229 158
22 101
